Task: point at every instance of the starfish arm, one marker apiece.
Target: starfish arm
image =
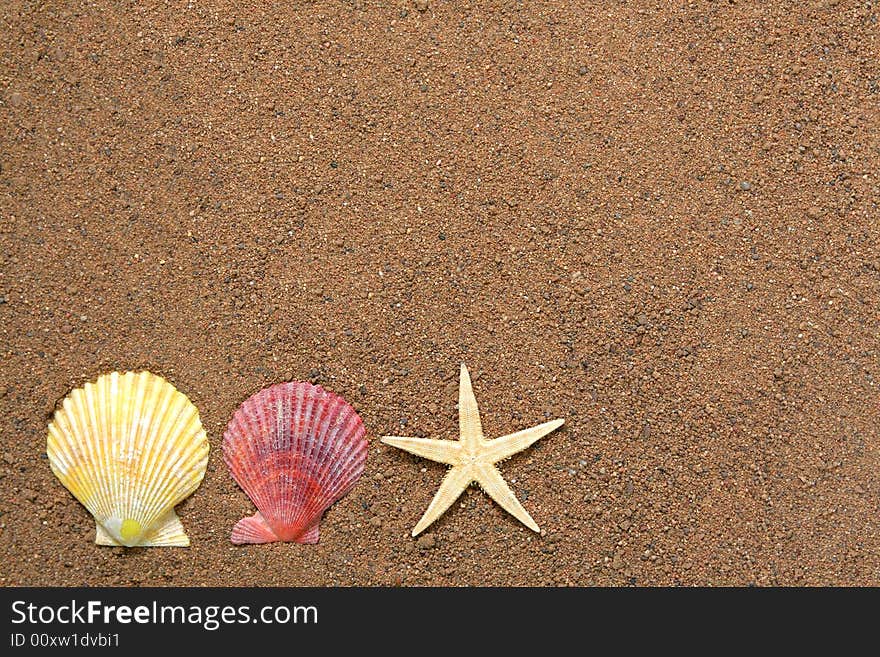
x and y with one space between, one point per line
493 483
468 414
456 480
501 448
443 451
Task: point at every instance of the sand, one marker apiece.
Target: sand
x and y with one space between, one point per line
656 220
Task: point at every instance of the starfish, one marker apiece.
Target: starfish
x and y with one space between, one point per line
472 458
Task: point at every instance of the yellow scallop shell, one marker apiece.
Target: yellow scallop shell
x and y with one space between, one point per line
129 447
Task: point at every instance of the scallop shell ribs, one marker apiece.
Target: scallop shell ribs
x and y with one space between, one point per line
294 448
129 447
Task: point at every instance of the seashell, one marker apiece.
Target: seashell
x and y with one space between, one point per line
294 448
129 447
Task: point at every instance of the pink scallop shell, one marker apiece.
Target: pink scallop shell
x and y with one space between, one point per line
294 448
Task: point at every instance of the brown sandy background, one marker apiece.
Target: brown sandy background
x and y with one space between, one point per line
657 220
